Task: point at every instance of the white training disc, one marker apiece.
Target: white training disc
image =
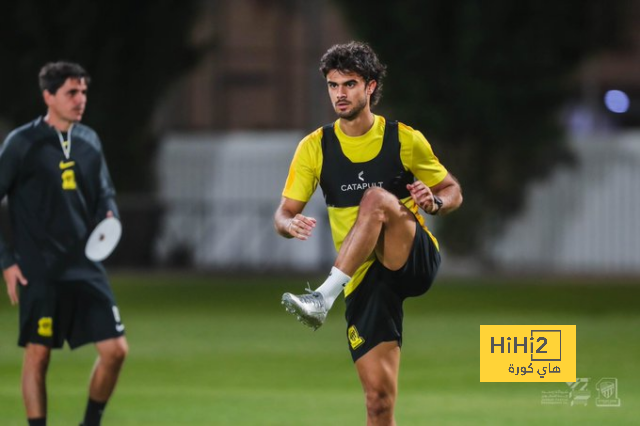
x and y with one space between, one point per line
103 240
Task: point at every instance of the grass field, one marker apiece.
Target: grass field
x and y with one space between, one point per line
222 351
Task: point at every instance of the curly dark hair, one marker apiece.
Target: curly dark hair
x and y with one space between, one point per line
359 58
53 75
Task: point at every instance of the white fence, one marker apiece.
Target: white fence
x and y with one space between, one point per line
221 191
583 220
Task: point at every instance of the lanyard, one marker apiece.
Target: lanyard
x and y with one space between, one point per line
65 145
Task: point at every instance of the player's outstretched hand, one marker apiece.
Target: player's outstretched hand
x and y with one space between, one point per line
422 195
300 227
13 276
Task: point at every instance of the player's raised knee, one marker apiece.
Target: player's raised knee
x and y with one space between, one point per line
375 198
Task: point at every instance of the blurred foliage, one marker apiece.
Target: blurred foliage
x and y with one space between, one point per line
485 81
133 50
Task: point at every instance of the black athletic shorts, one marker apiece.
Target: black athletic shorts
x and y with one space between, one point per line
374 309
79 312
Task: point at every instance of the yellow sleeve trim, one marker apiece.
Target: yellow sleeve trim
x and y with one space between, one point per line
418 157
305 168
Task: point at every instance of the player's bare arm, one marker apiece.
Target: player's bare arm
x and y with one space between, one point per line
448 191
12 276
289 221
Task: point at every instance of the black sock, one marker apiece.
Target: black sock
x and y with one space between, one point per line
42 421
93 415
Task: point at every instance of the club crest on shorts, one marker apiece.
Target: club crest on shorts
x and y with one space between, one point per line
45 327
355 340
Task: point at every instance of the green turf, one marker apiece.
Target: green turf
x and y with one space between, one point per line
222 351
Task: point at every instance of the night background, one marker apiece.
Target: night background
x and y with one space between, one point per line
534 106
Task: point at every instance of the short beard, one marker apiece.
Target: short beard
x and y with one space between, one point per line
353 114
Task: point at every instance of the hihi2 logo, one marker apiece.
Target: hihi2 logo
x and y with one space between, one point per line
527 353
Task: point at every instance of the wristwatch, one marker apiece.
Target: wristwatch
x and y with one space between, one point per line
438 202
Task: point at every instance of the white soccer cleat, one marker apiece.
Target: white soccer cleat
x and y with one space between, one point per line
310 309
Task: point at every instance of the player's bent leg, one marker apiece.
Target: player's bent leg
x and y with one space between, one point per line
378 370
111 356
384 225
34 372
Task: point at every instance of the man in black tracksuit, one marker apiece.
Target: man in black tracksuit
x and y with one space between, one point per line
58 186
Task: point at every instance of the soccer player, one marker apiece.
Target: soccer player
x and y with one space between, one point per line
58 186
375 174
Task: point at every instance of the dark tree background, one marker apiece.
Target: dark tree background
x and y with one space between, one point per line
484 81
134 52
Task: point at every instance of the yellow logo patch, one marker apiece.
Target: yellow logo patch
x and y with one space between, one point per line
45 327
355 340
69 180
